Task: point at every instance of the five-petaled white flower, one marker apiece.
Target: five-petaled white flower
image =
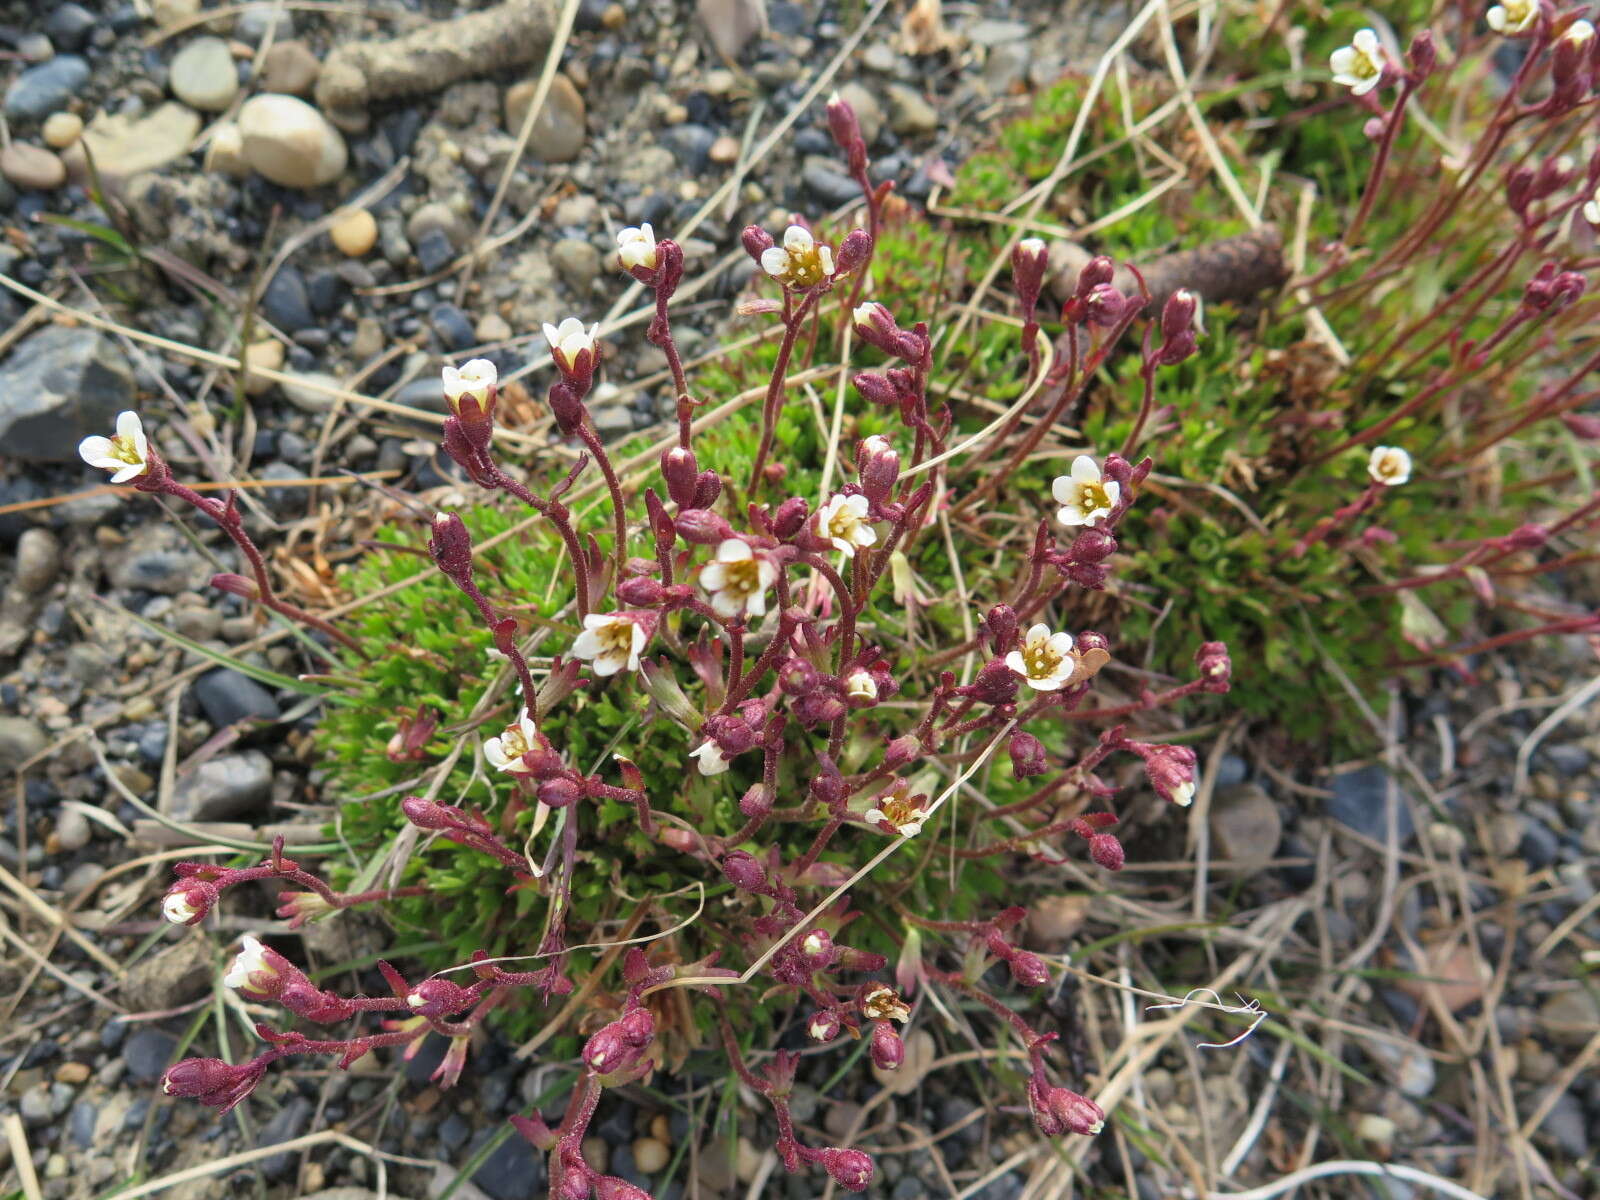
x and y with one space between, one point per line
710 758
475 378
611 641
1359 66
1591 210
1085 495
505 752
1389 465
800 262
176 908
1044 660
1513 16
859 685
636 247
568 340
738 580
250 969
843 521
127 454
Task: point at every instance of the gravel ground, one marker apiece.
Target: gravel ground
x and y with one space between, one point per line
1493 885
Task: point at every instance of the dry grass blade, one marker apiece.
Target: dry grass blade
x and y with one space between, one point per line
17 1140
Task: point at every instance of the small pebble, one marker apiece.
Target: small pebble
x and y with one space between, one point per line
32 168
266 355
355 232
203 75
650 1156
724 150
62 129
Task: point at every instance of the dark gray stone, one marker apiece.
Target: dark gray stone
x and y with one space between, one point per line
1567 1126
57 387
1540 844
513 1172
41 90
69 25
325 290
288 1122
452 326
286 303
227 697
219 789
1567 757
828 185
81 1123
691 144
434 251
1358 802
148 1052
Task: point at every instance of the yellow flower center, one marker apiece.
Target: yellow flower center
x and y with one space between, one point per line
899 810
805 268
513 742
1040 660
616 638
123 449
842 524
1364 67
1091 497
742 578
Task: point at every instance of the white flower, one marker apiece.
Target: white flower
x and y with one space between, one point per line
909 823
612 641
738 580
636 247
476 378
882 1003
843 521
1085 495
1389 465
1513 17
1359 66
859 685
568 340
1044 660
127 454
1183 794
800 262
505 752
249 966
176 908
710 758
1591 210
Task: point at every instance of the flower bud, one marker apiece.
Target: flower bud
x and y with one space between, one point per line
1029 258
1106 851
1170 770
853 252
1104 306
425 814
823 1026
1177 327
451 546
1582 425
878 467
744 871
619 1045
679 468
559 793
1028 969
790 517
756 801
797 677
875 388
1422 56
756 241
846 131
850 1169
1027 755
640 591
817 950
886 1048
703 527
1001 625
1098 270
236 585
1056 1110
707 487
996 683
211 1081
1214 664
188 901
901 750
1572 53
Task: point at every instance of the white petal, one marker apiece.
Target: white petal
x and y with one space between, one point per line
1064 490
825 258
608 664
129 426
774 260
859 505
494 751
586 645
1366 85
1039 632
127 471
1085 469
727 605
1060 643
552 335
1342 61
1069 516
767 573
797 237
96 451
1047 684
1014 661
755 604
844 547
597 620
714 577
733 550
1366 41
1113 492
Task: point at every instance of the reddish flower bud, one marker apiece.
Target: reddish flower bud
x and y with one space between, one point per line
707 487
426 814
1421 57
817 949
1056 1110
1090 640
850 1169
1582 425
1216 668
790 517
679 469
1028 969
703 527
886 1048
878 467
744 871
1027 755
236 585
1104 306
1106 851
619 1045
846 131
875 389
641 591
797 677
213 1082
567 406
1001 624
756 241
559 793
439 998
1519 189
1096 271
450 545
1177 327
756 801
1029 258
996 683
902 750
853 252
823 1026
1092 545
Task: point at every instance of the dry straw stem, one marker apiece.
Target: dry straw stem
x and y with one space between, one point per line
21 1156
231 1162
